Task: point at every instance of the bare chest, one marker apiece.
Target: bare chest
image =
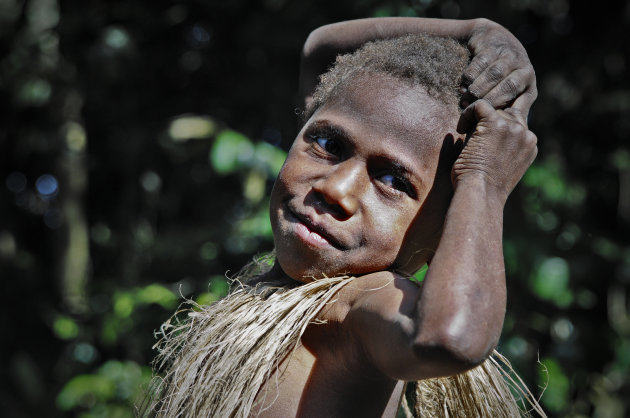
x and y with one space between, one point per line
316 383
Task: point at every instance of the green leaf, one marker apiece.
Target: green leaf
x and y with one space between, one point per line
123 304
155 293
553 377
230 152
65 328
418 276
271 157
84 390
550 282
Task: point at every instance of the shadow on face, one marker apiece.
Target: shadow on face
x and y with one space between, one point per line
423 236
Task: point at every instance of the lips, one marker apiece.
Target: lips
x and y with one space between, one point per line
313 233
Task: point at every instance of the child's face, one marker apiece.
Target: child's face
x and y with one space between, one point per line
352 188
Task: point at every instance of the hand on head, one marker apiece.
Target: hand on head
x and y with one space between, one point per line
500 71
499 149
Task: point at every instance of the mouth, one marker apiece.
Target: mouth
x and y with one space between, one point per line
312 233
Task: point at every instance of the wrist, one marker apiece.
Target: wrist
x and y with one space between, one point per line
479 185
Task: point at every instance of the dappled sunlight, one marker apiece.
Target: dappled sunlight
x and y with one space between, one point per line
139 146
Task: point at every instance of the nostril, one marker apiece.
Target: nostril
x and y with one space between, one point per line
325 204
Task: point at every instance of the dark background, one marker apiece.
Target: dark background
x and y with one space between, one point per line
136 154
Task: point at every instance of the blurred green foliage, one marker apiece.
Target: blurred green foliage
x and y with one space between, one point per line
139 144
108 392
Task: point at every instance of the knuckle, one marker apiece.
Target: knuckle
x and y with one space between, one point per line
502 124
476 66
534 154
512 86
495 72
534 91
531 140
516 129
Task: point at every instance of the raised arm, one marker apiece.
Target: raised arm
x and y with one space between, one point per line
453 322
499 71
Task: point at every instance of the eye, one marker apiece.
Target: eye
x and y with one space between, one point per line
331 146
396 184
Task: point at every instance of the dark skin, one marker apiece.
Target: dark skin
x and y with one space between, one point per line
499 71
359 182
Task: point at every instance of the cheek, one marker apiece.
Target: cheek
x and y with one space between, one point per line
390 229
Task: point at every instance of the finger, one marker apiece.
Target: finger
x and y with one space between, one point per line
477 65
472 114
510 88
524 101
516 114
492 76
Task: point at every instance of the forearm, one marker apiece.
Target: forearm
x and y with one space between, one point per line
324 43
461 306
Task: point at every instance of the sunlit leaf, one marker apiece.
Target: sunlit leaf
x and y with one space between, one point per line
207 298
123 304
257 225
219 286
65 328
271 157
155 293
184 128
550 281
254 187
84 390
230 152
554 378
419 275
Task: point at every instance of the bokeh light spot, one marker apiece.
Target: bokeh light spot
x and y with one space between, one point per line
562 329
35 92
116 38
75 137
8 246
150 181
53 218
516 346
100 233
85 353
551 282
65 328
16 182
184 128
47 185
208 251
198 37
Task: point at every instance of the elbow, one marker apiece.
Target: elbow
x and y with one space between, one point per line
455 352
317 40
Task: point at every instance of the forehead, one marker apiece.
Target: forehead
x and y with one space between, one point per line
391 112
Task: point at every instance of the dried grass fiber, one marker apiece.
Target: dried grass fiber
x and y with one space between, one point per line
217 360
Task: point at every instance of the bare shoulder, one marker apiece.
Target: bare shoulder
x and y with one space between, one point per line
381 291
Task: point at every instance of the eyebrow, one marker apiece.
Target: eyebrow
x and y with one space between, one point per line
326 127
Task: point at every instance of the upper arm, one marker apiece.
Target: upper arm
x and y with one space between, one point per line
326 42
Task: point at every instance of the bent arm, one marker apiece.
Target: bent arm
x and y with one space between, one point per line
499 71
461 308
454 320
458 313
324 43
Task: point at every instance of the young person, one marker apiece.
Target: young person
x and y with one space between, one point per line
387 174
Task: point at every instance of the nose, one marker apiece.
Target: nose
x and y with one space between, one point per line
342 188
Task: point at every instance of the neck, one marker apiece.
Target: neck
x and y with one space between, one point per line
274 275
